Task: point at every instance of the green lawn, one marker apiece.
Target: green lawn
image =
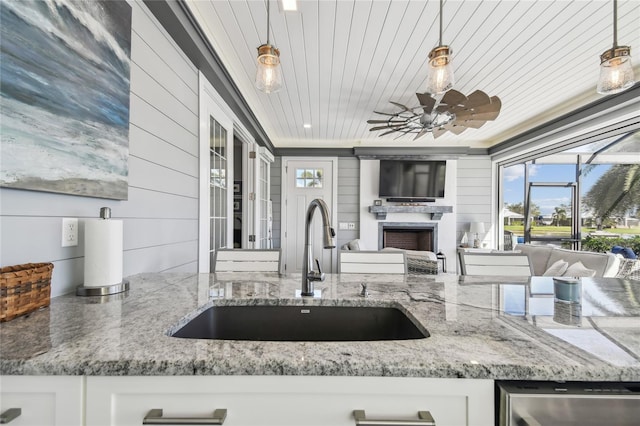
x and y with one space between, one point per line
566 230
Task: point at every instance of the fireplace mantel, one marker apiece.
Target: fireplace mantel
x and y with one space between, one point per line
435 211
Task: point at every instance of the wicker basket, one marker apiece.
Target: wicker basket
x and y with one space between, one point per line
24 288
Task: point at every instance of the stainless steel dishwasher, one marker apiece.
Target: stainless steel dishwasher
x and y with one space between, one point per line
532 403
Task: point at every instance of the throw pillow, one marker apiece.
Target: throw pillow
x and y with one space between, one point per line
354 245
557 269
578 270
629 268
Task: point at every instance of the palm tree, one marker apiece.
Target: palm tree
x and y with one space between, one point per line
616 192
559 214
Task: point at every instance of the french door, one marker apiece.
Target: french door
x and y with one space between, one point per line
216 170
223 201
256 197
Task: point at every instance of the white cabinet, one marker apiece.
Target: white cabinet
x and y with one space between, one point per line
43 400
288 400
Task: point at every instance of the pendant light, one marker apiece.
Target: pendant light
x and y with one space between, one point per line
269 72
616 72
440 74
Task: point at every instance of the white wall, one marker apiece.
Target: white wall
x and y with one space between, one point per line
475 198
369 172
161 215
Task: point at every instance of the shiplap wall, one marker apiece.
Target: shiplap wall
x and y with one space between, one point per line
161 214
475 197
348 198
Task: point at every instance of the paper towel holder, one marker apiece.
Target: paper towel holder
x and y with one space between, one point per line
103 290
105 214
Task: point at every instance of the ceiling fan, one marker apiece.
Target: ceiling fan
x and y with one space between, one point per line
454 112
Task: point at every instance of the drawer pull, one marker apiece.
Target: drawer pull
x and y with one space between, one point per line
154 417
424 419
9 415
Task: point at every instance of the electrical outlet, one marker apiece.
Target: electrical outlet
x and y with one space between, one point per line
69 232
343 225
351 225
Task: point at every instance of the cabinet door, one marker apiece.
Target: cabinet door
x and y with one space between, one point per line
44 400
285 400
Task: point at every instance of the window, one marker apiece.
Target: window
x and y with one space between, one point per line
309 178
606 175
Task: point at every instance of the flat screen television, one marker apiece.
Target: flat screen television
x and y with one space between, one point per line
412 179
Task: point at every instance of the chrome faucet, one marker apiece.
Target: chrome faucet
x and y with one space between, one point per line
308 274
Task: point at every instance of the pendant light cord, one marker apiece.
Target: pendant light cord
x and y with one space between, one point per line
441 22
268 18
615 23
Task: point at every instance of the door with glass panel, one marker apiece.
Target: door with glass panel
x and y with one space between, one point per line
256 197
556 221
218 192
264 213
216 169
302 181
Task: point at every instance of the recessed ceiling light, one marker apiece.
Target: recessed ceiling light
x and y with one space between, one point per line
306 126
289 5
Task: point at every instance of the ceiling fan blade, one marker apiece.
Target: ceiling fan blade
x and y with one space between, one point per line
454 128
421 134
401 106
386 133
388 126
386 113
453 97
487 116
477 99
474 124
488 108
426 101
384 121
399 136
439 132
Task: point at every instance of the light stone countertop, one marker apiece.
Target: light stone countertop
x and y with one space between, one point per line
479 329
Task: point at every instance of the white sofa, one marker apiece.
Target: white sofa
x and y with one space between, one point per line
543 256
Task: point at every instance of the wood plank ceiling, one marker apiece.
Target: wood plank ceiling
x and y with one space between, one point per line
343 59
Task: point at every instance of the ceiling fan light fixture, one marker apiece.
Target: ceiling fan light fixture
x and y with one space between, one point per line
268 72
440 77
616 72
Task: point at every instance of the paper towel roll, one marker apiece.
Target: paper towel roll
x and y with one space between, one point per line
102 252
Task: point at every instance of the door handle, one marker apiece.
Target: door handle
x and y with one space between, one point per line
424 419
9 415
154 417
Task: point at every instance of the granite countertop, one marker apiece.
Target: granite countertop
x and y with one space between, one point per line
479 329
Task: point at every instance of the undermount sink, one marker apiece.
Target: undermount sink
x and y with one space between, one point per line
302 323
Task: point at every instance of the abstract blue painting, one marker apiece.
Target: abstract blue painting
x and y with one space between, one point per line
64 96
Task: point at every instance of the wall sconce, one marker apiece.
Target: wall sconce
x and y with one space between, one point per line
476 228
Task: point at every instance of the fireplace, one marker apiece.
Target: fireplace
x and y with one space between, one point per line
408 235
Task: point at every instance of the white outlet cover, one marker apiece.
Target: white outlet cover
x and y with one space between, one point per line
69 232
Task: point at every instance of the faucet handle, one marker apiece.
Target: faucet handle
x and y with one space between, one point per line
364 292
316 275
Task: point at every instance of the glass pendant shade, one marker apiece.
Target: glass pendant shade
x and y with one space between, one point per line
616 72
440 76
269 72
